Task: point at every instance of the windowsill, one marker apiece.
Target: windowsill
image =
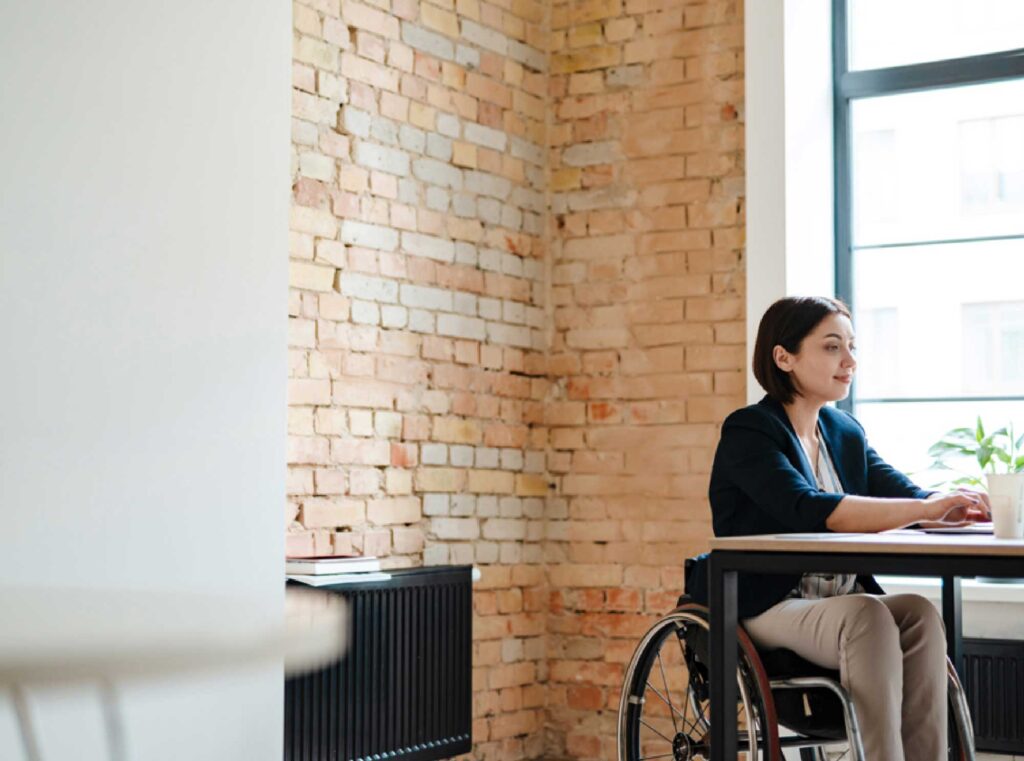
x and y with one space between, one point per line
990 610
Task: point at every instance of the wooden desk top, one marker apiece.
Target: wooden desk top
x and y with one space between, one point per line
889 542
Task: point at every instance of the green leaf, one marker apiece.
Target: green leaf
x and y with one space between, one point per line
1018 464
984 456
960 433
940 448
979 431
968 481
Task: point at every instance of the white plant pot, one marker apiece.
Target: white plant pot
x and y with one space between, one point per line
1006 491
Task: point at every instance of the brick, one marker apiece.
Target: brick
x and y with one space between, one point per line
589 154
368 288
426 41
379 157
355 121
372 20
485 136
488 185
437 173
316 53
440 20
310 276
489 39
440 148
360 452
309 391
460 326
369 235
440 479
456 430
490 482
455 528
368 72
332 513
586 60
412 139
390 511
448 125
428 246
313 221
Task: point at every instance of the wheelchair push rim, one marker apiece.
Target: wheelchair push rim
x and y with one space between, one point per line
663 710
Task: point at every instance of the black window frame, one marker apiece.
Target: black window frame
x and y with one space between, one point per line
850 85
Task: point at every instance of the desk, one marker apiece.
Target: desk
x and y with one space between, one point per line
948 556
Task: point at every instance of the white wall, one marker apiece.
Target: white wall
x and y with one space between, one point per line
143 283
788 113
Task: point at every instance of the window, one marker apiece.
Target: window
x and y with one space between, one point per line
929 141
992 164
993 348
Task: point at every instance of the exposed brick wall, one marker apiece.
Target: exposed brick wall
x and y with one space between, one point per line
417 313
648 349
516 319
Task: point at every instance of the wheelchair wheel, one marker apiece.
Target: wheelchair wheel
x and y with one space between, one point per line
664 708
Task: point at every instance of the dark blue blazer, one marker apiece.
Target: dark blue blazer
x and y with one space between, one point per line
762 483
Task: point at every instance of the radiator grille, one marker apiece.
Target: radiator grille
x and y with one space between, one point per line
403 689
994 682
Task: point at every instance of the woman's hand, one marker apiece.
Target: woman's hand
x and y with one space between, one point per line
958 508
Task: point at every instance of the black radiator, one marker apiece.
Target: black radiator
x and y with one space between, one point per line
403 689
993 677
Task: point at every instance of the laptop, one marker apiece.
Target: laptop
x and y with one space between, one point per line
982 527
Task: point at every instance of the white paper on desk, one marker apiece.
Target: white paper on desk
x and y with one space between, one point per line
822 535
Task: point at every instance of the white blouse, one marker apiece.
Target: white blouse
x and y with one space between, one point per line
815 586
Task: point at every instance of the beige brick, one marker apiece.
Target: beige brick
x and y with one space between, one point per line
386 512
332 513
440 479
456 431
372 20
491 482
440 20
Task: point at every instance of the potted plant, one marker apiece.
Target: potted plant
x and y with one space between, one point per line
998 456
997 452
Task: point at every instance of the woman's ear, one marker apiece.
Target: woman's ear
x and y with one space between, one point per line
783 359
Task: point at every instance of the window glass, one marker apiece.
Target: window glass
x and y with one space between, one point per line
885 33
903 432
993 337
934 229
942 320
938 165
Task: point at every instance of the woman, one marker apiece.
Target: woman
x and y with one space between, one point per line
793 464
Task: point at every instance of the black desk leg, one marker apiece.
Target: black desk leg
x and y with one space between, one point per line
722 601
953 619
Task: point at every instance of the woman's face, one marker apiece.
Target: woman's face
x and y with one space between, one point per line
822 369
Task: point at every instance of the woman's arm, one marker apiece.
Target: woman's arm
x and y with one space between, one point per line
870 514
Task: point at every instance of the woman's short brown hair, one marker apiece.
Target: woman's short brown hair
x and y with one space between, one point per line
787 323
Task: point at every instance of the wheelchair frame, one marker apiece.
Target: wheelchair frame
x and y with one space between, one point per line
757 695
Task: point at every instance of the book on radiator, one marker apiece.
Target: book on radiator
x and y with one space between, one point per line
329 566
334 579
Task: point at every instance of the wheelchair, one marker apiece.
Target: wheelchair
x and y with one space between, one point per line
664 707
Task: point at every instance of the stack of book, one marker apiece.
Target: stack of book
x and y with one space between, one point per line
324 571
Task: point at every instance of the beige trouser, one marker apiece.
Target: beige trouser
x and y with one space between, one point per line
890 651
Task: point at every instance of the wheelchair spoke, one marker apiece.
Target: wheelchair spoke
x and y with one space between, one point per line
666 739
671 708
667 701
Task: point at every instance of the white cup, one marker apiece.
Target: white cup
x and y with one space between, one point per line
1005 493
